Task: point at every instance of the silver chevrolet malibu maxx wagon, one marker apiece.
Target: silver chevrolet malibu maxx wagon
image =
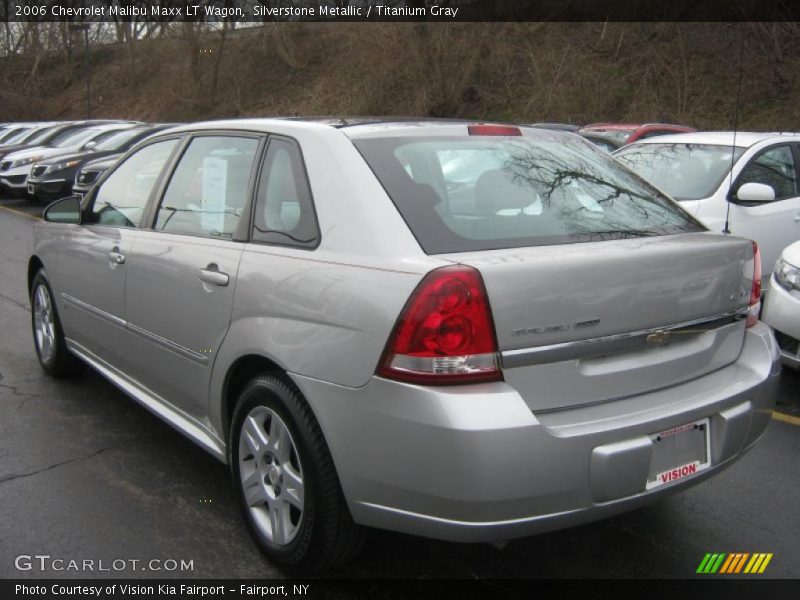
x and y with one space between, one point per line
471 332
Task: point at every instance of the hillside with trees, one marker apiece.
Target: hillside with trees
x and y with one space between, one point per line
569 72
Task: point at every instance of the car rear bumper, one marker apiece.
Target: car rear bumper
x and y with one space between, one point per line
474 463
782 313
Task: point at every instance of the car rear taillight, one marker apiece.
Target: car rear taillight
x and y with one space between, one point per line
445 334
493 130
754 306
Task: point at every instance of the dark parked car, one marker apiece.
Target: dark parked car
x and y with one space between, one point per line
90 172
54 177
609 143
557 126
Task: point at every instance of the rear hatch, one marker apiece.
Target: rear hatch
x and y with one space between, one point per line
592 322
600 286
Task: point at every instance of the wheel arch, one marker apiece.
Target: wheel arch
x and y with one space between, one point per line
242 370
35 264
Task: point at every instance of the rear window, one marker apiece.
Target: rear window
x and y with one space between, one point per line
460 194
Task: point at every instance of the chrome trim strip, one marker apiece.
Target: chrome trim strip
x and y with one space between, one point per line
609 344
183 351
155 404
93 310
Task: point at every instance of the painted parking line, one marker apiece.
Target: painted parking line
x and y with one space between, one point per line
20 213
791 419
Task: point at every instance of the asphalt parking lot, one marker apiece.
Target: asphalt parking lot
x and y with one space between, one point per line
86 473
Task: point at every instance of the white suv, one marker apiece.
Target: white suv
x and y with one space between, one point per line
758 199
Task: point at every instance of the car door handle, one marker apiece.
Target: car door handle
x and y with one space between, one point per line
797 218
116 257
214 276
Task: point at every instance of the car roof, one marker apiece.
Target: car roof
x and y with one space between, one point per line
744 139
357 127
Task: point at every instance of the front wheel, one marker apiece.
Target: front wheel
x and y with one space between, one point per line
285 479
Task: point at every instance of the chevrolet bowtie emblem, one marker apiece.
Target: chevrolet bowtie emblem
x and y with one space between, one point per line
658 337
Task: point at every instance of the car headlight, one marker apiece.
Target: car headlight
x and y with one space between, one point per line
24 161
63 165
787 275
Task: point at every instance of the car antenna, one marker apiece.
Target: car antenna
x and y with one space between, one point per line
727 228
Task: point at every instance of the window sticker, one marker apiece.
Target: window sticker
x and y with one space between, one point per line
215 180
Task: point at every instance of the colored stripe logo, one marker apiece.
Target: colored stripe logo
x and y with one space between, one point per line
734 563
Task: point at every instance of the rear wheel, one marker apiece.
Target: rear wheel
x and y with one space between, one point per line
285 479
48 336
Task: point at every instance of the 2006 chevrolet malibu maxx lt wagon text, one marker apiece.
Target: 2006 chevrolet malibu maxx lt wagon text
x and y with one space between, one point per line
470 332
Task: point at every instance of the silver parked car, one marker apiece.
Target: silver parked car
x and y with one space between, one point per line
469 332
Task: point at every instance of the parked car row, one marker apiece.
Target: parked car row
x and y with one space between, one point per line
41 160
467 331
612 136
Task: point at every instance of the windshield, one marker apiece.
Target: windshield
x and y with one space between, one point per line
118 139
77 138
36 137
14 136
63 134
684 171
460 194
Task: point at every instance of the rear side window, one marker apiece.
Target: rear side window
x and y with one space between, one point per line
284 211
208 190
122 198
460 194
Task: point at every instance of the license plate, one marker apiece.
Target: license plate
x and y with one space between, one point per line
30 189
678 453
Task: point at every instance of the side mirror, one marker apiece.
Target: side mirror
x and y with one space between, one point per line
89 145
66 210
755 192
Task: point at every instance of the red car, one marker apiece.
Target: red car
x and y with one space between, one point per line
627 133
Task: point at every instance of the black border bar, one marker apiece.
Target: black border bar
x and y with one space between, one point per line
447 11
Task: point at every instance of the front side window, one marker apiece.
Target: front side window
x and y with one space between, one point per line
121 199
208 190
462 194
775 168
284 208
684 171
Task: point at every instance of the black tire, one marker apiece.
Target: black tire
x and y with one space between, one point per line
326 535
60 362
